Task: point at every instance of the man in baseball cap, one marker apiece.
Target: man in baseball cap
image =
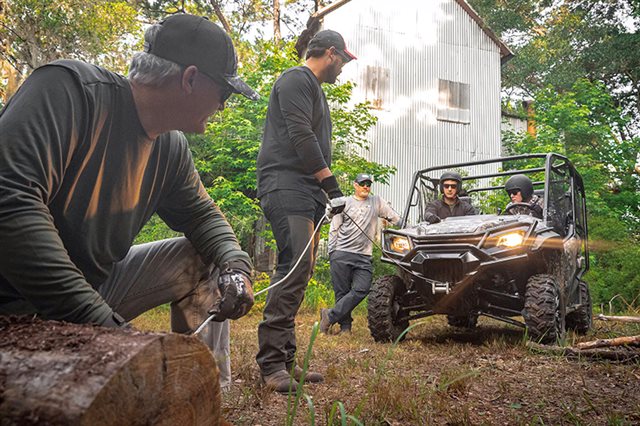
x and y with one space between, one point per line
294 184
87 156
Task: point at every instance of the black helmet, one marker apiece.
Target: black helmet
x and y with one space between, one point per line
521 183
451 176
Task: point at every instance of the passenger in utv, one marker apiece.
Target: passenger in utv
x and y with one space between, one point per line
450 204
523 200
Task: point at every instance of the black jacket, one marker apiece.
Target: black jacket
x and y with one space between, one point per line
438 210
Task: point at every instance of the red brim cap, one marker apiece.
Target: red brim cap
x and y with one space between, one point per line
348 54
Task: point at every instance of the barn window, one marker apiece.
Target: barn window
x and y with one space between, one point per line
453 102
376 85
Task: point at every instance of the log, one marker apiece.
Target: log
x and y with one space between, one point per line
603 343
620 355
618 318
55 373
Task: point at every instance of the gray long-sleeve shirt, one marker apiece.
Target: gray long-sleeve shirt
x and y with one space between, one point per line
344 235
79 178
297 135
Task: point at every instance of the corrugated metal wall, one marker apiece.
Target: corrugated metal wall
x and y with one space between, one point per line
420 42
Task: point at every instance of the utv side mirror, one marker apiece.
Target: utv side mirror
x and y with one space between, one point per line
498 211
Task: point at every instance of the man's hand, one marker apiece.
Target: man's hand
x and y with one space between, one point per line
335 206
237 295
431 218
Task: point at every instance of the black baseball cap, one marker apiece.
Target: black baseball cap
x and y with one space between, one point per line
194 40
364 177
326 39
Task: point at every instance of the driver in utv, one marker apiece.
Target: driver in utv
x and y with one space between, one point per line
523 200
450 204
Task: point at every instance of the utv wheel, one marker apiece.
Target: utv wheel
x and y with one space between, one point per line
384 309
542 309
581 319
463 321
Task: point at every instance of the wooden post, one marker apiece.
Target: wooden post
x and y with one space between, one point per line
67 374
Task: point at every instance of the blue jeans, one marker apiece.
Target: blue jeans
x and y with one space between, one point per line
351 275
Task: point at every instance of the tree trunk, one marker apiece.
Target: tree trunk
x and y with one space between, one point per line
604 343
277 36
223 20
57 373
618 318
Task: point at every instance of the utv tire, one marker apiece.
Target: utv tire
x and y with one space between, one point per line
581 319
469 321
543 312
384 308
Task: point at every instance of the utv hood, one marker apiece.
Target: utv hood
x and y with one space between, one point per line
468 224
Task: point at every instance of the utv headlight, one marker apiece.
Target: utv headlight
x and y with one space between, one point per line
399 244
512 239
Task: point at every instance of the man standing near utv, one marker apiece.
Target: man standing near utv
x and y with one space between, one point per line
350 251
294 181
87 156
450 204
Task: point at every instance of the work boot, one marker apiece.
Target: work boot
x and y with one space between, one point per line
280 381
345 330
325 323
310 377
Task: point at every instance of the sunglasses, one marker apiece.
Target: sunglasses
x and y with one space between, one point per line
366 184
450 185
513 192
225 92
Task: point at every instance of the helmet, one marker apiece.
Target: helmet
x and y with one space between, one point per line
521 183
451 176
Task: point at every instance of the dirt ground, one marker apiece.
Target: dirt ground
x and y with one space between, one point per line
438 375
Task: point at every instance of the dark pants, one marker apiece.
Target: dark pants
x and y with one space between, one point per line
351 278
293 216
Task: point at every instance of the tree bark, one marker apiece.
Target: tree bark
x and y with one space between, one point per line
57 373
619 355
277 36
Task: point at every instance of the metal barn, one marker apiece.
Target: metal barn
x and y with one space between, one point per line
431 71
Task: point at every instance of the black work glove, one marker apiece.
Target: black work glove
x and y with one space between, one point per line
330 186
236 295
431 218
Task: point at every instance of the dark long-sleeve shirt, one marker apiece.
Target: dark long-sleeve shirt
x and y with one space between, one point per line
297 135
79 178
438 209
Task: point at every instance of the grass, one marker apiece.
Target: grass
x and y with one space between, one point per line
437 375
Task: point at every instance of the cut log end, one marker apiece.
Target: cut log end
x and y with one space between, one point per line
60 374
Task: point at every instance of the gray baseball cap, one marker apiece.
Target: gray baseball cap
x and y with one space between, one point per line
364 177
194 40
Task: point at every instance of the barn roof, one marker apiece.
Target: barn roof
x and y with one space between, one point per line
505 52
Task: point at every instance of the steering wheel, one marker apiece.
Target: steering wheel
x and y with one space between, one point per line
512 206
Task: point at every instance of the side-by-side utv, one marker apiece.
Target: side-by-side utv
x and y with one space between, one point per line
512 267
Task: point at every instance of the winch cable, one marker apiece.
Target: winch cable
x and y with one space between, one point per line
398 264
206 321
264 290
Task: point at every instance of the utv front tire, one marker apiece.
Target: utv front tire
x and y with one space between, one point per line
543 313
385 308
581 319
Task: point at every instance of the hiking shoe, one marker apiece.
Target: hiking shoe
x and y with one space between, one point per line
325 323
310 377
280 381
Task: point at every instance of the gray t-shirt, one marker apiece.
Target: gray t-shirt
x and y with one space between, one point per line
344 235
